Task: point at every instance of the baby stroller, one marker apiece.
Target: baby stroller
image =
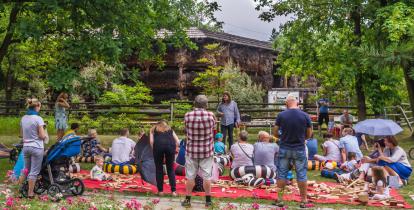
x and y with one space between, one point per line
54 177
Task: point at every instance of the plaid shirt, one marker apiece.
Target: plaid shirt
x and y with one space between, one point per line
199 126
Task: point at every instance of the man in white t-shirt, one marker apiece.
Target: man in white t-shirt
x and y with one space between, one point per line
122 148
242 151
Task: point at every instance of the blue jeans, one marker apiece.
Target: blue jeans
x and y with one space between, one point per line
227 129
298 157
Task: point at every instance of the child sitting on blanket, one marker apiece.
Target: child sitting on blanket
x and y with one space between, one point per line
351 164
97 173
382 190
349 168
219 147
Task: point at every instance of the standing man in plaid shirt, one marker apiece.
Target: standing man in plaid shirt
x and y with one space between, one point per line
199 126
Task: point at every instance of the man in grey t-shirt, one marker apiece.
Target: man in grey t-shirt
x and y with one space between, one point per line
265 151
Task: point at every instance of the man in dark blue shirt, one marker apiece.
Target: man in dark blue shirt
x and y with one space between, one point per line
296 126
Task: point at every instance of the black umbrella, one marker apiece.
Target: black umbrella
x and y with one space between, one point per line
145 160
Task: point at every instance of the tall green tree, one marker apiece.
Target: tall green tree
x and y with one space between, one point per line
98 30
336 41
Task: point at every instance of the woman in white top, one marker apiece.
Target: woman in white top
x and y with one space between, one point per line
330 150
242 151
394 159
33 133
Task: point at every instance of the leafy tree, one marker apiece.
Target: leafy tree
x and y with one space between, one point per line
212 80
102 31
241 86
336 41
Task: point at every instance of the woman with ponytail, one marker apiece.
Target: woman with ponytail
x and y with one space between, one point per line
33 134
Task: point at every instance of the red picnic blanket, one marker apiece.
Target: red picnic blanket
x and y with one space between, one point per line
137 185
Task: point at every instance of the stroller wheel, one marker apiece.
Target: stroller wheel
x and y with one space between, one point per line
40 187
24 189
54 192
76 186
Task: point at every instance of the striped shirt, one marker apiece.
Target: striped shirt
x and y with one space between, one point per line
199 128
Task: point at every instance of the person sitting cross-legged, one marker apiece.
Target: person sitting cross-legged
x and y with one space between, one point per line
349 143
330 148
93 147
122 148
265 152
242 152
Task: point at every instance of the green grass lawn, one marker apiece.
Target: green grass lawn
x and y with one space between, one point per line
405 140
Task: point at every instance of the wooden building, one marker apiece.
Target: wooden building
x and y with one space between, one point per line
256 58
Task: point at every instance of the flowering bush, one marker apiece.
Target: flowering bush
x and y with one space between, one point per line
255 205
9 201
156 201
44 197
133 204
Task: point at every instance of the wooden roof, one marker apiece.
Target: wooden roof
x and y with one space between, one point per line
196 33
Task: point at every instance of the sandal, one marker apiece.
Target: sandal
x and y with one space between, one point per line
278 203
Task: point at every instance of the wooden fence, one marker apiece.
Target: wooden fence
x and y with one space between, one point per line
258 114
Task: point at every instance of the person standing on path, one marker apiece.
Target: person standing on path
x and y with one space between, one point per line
322 110
61 117
295 126
229 117
33 134
199 129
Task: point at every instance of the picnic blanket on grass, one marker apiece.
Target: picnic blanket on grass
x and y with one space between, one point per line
135 184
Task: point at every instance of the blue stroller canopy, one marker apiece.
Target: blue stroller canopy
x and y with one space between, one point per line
69 146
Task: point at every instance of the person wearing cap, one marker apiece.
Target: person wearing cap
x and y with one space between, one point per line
296 126
219 147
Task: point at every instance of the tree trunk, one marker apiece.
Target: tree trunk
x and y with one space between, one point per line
181 81
359 88
410 85
10 31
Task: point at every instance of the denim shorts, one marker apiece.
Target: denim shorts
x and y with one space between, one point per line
298 157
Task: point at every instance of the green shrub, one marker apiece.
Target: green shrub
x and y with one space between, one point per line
124 94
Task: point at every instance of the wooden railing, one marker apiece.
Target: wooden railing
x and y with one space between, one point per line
261 114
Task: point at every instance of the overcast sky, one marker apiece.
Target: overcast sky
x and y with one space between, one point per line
240 18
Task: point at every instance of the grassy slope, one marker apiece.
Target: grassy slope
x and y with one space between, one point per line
405 141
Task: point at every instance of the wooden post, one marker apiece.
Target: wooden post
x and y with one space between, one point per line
172 111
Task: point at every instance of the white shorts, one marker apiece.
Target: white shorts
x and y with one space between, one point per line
195 165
